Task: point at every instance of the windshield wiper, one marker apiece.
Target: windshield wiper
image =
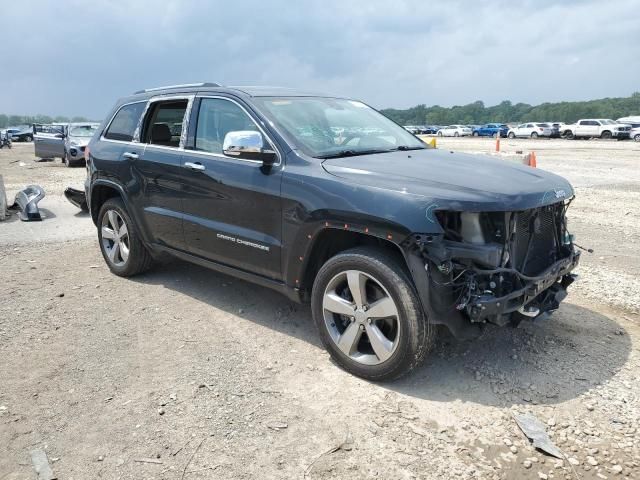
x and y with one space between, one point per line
350 153
404 148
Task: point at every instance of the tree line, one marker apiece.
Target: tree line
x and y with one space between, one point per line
15 120
476 112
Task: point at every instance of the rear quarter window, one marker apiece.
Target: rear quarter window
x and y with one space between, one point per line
125 122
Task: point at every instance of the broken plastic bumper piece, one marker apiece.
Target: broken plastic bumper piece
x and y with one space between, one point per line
77 197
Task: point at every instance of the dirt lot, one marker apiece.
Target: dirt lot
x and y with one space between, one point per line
184 373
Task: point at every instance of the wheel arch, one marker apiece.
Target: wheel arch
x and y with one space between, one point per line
330 241
101 191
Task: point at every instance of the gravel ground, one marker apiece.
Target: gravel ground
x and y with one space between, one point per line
184 373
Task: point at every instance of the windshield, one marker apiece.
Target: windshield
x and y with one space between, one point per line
83 131
324 127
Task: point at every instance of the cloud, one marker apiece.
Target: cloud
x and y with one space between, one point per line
76 58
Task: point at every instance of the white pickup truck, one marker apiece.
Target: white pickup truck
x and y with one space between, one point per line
596 127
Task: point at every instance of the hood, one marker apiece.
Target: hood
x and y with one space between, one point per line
79 141
454 180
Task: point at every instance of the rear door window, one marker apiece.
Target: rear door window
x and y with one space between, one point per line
125 122
163 123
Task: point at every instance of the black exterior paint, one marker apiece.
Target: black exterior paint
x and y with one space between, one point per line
286 206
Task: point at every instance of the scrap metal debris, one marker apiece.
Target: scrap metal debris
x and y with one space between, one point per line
27 201
41 465
535 431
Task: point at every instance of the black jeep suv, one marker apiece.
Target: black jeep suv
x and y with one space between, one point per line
326 200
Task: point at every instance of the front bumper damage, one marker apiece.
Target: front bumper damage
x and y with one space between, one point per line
464 285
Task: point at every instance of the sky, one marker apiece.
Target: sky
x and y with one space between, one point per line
73 58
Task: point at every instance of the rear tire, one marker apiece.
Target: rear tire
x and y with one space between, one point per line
456 134
130 256
406 335
475 134
534 135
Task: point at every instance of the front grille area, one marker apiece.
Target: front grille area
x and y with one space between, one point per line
536 233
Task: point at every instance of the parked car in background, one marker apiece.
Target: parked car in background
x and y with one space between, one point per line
411 129
635 133
433 129
596 128
76 138
531 130
557 129
428 129
454 131
632 120
64 141
21 133
491 130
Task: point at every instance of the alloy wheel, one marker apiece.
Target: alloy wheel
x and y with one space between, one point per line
361 317
115 238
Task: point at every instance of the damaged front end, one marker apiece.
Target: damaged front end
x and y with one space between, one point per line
496 267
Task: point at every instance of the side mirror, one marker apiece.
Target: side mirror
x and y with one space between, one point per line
248 145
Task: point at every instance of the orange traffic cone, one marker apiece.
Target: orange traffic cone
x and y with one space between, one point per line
532 160
498 142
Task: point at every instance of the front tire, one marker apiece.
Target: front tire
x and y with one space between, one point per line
606 135
369 316
511 135
456 134
119 241
637 137
475 134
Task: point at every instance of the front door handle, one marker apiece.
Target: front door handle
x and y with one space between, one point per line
130 155
194 166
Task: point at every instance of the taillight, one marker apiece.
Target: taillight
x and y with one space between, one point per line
87 151
541 129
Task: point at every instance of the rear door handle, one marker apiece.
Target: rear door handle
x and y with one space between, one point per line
130 155
194 166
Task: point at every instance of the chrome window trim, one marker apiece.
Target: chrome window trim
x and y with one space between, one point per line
185 119
221 155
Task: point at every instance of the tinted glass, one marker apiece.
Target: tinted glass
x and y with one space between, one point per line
125 122
216 118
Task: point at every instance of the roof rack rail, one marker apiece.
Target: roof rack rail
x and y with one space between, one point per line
202 84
